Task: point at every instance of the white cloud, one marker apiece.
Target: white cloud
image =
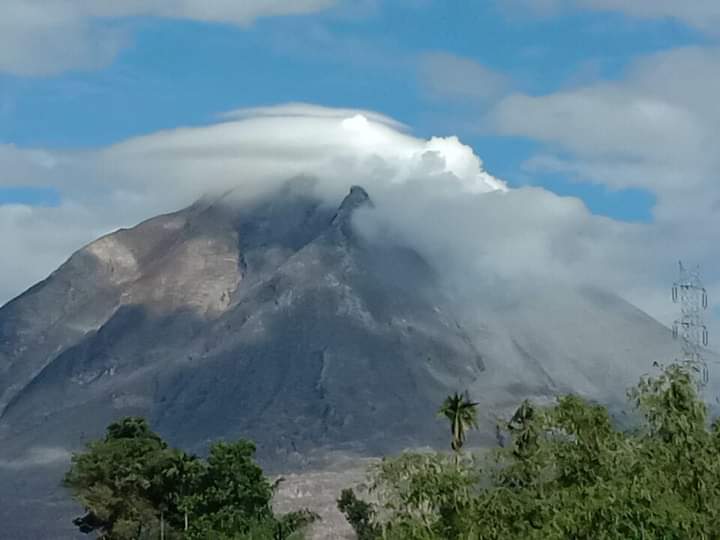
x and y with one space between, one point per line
230 11
255 149
434 193
701 14
449 76
40 37
305 110
518 235
656 130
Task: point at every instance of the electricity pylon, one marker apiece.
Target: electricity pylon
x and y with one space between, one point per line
689 292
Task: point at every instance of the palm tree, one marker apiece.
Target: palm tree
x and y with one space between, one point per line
462 414
176 478
523 429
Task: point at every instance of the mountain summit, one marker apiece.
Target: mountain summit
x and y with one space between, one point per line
268 321
274 320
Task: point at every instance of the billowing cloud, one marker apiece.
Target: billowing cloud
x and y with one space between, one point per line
432 193
656 130
252 150
39 37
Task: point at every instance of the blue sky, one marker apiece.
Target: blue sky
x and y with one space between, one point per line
600 115
176 73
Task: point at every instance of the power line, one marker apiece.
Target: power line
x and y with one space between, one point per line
690 328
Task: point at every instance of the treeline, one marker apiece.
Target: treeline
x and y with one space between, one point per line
135 487
567 472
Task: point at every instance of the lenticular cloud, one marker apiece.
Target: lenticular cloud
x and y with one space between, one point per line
249 151
256 148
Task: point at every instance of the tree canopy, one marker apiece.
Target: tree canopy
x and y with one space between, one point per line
134 486
570 472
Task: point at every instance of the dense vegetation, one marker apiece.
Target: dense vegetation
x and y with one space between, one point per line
134 486
569 473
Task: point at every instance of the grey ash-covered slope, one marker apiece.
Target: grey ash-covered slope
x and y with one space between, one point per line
274 321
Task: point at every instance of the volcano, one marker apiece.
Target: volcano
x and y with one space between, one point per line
276 320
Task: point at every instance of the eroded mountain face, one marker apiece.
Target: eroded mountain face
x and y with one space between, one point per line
275 320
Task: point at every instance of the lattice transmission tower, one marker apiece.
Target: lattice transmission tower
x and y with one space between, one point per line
689 292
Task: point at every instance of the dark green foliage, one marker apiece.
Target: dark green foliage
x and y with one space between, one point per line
232 494
134 486
411 484
175 482
111 480
287 525
462 415
569 473
359 514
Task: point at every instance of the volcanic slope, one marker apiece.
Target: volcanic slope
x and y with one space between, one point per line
274 319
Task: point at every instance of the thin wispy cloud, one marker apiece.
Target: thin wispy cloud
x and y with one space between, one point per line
45 37
447 76
701 14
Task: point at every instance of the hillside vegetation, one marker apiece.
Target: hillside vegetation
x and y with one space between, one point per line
568 473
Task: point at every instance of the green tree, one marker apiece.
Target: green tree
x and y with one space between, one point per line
359 514
174 482
110 480
233 499
133 486
462 415
570 473
424 493
232 493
